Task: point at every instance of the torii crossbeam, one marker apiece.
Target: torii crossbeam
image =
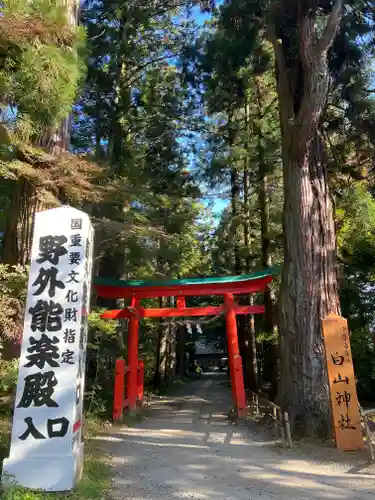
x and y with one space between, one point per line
227 286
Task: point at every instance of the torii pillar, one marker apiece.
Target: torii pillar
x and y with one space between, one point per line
133 342
234 358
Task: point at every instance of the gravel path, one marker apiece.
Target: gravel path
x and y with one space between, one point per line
187 449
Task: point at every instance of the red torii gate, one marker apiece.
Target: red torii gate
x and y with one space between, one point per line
227 286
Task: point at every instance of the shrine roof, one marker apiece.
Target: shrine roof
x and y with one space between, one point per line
107 287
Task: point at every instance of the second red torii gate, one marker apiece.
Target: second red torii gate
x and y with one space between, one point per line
227 286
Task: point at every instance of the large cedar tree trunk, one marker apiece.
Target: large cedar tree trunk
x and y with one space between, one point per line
19 227
309 285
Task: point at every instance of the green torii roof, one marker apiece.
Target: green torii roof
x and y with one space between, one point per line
212 280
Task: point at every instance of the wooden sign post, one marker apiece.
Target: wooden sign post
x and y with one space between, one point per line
344 401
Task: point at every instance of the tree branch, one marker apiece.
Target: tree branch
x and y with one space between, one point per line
132 77
332 26
286 110
314 55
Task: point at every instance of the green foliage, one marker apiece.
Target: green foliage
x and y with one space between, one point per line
49 98
169 110
99 326
12 296
134 114
356 221
40 73
242 141
8 379
102 351
39 78
356 250
363 352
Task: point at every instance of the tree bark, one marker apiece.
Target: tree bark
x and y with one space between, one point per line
235 193
244 333
308 291
172 353
246 192
19 226
246 324
180 351
270 352
122 93
161 351
309 284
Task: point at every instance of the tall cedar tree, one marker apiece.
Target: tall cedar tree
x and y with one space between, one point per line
309 289
243 141
303 34
132 114
45 69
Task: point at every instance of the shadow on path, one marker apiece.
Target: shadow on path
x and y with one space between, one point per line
187 449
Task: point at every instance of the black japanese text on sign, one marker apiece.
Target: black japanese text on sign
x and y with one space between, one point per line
344 402
44 433
55 326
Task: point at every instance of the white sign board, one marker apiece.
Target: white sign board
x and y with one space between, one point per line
46 448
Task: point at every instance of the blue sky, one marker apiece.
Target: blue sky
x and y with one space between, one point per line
216 205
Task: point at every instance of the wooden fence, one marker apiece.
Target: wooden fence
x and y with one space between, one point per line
262 407
368 426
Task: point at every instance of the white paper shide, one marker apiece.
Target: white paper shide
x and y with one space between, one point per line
46 448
